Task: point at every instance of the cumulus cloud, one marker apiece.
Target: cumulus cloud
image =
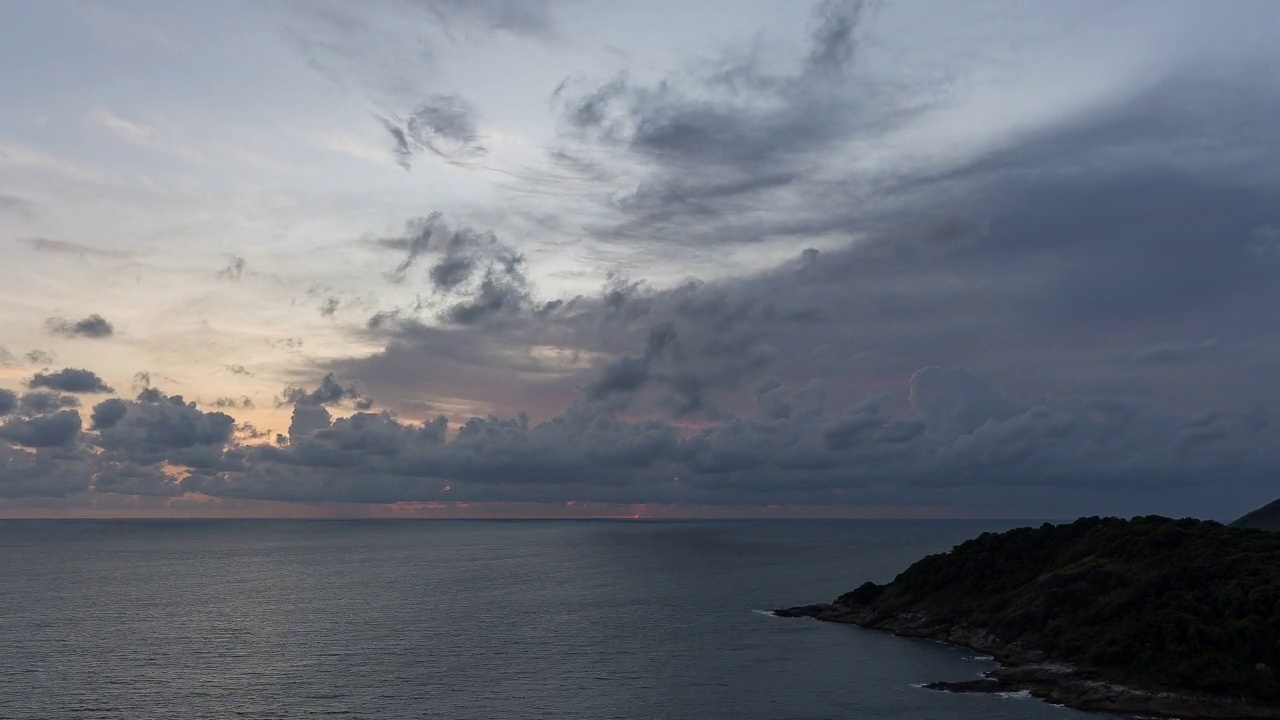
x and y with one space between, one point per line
806 454
328 392
231 403
8 401
108 413
128 478
42 431
947 431
44 473
308 419
158 427
72 380
38 403
94 326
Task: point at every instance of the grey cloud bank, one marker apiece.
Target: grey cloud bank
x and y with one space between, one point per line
72 380
1039 287
953 437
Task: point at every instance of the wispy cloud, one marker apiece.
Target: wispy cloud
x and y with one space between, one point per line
94 326
144 135
66 247
18 206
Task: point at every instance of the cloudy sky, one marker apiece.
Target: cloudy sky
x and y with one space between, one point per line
593 257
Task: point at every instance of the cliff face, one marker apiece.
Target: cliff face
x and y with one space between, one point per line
1149 616
1266 517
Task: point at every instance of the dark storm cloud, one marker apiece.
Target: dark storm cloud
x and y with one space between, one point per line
159 427
308 419
42 431
128 478
678 348
955 397
128 453
700 340
39 403
949 432
1021 324
724 147
94 326
72 380
624 376
497 292
46 472
1012 289
804 454
108 413
472 275
730 154
8 401
1061 263
328 392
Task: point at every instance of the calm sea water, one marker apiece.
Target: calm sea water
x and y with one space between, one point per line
456 620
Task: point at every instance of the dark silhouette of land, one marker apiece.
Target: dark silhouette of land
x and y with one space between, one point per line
1266 517
1150 615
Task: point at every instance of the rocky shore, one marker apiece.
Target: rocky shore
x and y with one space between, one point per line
1028 669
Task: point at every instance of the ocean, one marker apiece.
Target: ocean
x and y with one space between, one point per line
466 620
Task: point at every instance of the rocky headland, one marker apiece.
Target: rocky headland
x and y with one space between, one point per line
1177 618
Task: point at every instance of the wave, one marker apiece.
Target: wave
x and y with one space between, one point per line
1015 695
769 613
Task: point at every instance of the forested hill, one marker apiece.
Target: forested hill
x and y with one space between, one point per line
1266 517
1187 604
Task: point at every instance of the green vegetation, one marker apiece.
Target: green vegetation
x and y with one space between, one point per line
1266 517
1183 603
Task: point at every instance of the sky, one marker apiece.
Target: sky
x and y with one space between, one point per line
565 258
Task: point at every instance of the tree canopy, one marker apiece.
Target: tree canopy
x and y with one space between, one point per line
1185 603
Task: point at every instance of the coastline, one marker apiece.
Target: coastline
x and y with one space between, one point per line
1049 679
